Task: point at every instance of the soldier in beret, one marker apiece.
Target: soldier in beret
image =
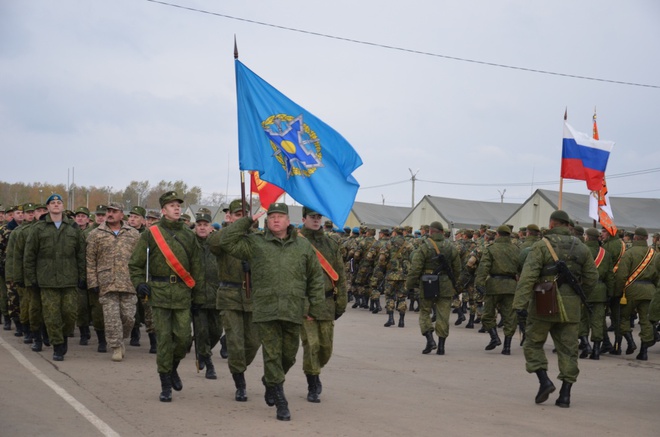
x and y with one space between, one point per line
81 216
173 284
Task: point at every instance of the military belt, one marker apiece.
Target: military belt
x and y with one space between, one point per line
172 279
230 284
503 276
429 272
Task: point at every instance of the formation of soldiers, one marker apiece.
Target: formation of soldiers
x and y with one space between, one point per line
60 270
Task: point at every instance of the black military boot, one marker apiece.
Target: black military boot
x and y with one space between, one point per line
350 296
58 354
165 387
358 299
402 316
282 404
7 326
506 349
501 322
200 362
223 347
430 342
378 307
37 346
103 345
152 343
19 328
319 386
461 316
470 323
365 303
239 382
441 346
44 336
616 347
494 339
177 384
632 347
586 347
564 399
84 339
606 345
595 351
312 390
269 395
135 336
210 369
65 345
390 319
546 387
643 355
372 306
417 306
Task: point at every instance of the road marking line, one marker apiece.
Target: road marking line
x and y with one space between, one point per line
103 427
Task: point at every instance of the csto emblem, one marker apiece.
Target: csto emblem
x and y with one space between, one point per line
296 146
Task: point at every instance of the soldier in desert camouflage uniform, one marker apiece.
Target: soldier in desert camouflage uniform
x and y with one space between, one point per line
394 260
364 270
109 248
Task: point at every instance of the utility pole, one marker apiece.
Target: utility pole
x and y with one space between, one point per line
502 195
413 178
383 198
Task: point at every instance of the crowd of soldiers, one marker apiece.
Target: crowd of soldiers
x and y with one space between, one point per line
62 269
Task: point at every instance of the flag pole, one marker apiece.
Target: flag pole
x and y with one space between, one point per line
595 136
561 179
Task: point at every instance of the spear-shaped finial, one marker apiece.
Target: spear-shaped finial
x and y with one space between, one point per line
235 48
566 114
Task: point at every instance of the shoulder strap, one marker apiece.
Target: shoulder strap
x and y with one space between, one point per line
599 257
435 246
171 258
640 268
327 267
552 251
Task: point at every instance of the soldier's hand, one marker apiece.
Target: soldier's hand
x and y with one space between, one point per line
95 290
143 290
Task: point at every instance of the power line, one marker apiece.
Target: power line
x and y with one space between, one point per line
403 49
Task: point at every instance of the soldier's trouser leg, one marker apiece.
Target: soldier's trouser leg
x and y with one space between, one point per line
317 336
508 314
24 300
13 303
425 306
596 321
207 330
36 313
443 309
646 333
84 316
565 337
148 318
96 310
3 297
59 306
279 342
489 317
242 339
400 295
174 336
390 296
585 322
118 316
536 334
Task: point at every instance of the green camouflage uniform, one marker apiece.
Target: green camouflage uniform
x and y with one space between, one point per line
285 275
365 268
377 277
18 298
497 271
350 250
466 279
235 307
317 335
208 325
89 307
55 263
394 260
564 332
31 303
425 261
603 291
171 298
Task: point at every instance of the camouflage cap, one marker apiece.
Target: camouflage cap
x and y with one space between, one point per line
279 208
18 208
40 206
11 208
203 217
484 227
522 229
627 233
642 232
571 222
306 210
29 207
408 228
170 196
116 206
82 210
327 224
52 197
560 215
656 235
235 206
385 231
203 210
224 207
101 209
491 232
533 227
2 208
153 215
592 232
186 217
437 225
579 230
424 227
504 229
138 210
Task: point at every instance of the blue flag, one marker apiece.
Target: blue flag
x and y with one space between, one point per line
293 149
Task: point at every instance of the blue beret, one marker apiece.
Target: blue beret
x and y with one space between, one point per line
356 230
53 197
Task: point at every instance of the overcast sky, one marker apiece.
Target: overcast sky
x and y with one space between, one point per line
128 90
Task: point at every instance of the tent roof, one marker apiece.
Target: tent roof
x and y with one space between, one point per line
471 213
379 216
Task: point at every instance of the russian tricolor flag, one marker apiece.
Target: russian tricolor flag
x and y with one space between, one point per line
584 158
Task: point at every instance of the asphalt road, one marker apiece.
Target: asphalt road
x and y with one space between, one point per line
377 382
